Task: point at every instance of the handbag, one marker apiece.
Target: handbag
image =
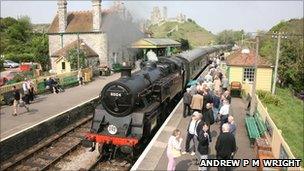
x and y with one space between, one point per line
176 153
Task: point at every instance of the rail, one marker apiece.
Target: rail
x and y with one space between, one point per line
27 159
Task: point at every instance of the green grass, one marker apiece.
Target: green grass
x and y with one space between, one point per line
289 117
196 35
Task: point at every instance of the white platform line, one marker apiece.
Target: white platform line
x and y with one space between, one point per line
145 152
49 118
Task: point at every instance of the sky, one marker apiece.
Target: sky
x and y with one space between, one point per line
215 16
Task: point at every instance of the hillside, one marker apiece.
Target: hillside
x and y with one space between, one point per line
291 67
195 34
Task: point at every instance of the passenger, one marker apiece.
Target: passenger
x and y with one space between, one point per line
225 83
227 96
48 85
224 111
187 102
225 145
208 77
192 133
220 75
31 92
173 149
17 102
53 86
216 105
207 98
197 101
26 91
193 89
208 115
209 85
232 126
217 84
203 144
80 77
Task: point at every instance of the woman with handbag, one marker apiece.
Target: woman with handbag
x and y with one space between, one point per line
174 148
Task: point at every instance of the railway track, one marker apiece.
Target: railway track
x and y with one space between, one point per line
110 165
47 153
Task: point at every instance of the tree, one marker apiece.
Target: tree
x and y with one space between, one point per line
40 49
73 58
230 36
20 44
184 44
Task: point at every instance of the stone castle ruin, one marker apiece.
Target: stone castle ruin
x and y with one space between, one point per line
159 17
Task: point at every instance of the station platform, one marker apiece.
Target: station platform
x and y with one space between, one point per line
47 106
155 158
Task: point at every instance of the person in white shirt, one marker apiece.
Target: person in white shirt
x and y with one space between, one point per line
26 91
224 111
174 144
208 78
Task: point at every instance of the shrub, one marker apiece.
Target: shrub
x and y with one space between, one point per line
268 98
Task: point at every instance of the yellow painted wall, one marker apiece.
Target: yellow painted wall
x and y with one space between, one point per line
264 79
235 74
59 67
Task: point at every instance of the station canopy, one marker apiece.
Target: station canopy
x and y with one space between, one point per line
150 43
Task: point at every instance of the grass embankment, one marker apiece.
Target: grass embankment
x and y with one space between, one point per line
194 33
289 117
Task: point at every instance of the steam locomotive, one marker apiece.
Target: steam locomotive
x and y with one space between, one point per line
133 106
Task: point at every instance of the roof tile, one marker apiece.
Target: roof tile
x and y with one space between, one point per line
242 59
65 50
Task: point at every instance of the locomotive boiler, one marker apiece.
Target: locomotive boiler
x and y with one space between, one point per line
133 106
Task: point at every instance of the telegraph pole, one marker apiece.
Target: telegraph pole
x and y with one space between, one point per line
253 90
279 36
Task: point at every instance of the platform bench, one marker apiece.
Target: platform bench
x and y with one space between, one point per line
252 129
70 81
261 126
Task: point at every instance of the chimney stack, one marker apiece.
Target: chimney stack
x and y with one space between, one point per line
96 15
62 15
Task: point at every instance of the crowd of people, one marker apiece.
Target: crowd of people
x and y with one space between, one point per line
207 102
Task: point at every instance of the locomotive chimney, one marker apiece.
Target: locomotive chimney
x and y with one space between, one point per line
125 70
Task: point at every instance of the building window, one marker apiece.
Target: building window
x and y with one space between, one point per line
62 65
248 74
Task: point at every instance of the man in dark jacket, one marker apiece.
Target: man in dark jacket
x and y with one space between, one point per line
187 101
225 145
208 115
203 143
207 98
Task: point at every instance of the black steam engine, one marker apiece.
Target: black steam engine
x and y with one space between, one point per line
134 105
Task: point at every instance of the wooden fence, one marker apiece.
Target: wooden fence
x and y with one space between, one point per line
280 148
38 80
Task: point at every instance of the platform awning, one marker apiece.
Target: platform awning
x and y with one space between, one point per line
155 43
